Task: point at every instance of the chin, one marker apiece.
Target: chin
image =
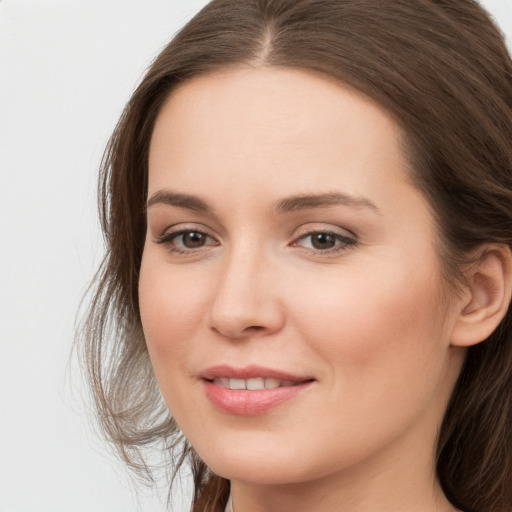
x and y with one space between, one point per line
258 472
262 464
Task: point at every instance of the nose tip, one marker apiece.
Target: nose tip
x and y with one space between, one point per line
245 302
244 318
235 332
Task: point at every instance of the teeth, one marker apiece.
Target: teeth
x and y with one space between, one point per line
256 383
253 384
237 384
222 381
271 383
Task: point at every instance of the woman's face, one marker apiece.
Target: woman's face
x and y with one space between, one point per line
287 247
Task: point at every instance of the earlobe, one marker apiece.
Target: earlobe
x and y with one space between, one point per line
488 298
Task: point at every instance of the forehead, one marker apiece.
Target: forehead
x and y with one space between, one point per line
292 129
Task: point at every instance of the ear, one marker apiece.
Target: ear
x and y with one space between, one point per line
488 296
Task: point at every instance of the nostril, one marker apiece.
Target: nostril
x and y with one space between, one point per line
237 334
241 319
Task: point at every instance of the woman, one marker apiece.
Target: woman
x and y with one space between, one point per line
308 212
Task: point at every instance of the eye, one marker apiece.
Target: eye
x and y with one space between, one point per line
191 239
325 241
322 241
186 240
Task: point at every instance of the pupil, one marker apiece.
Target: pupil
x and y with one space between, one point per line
323 241
193 239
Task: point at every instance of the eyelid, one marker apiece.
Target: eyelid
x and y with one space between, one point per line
184 227
173 232
318 227
344 237
171 235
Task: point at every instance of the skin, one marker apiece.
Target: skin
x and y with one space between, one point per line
370 318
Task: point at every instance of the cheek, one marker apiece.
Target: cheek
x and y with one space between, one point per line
376 321
377 338
171 308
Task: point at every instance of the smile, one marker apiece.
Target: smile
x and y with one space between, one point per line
251 391
254 383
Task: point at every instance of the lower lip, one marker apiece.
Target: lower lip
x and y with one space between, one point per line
251 403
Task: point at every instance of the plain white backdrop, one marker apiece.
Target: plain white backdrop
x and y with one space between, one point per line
67 67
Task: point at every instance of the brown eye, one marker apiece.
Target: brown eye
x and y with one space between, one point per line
327 242
192 239
323 241
186 241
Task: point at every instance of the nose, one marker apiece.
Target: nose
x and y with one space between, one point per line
246 301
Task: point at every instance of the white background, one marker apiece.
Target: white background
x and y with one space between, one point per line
66 69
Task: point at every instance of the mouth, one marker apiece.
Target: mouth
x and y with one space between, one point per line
251 390
253 384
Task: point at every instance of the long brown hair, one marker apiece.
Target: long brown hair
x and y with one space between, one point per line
441 69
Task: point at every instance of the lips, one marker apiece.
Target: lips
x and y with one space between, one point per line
252 390
254 383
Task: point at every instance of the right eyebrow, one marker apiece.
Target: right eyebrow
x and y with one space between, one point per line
186 201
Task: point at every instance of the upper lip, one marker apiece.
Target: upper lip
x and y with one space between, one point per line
249 372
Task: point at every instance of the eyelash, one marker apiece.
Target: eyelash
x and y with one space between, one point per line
168 239
343 243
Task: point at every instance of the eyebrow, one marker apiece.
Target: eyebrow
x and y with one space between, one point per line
304 202
186 201
283 206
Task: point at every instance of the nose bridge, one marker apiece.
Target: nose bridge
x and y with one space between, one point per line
245 299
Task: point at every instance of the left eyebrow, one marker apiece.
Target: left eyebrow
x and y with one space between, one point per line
305 202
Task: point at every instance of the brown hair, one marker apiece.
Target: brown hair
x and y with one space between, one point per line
441 69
